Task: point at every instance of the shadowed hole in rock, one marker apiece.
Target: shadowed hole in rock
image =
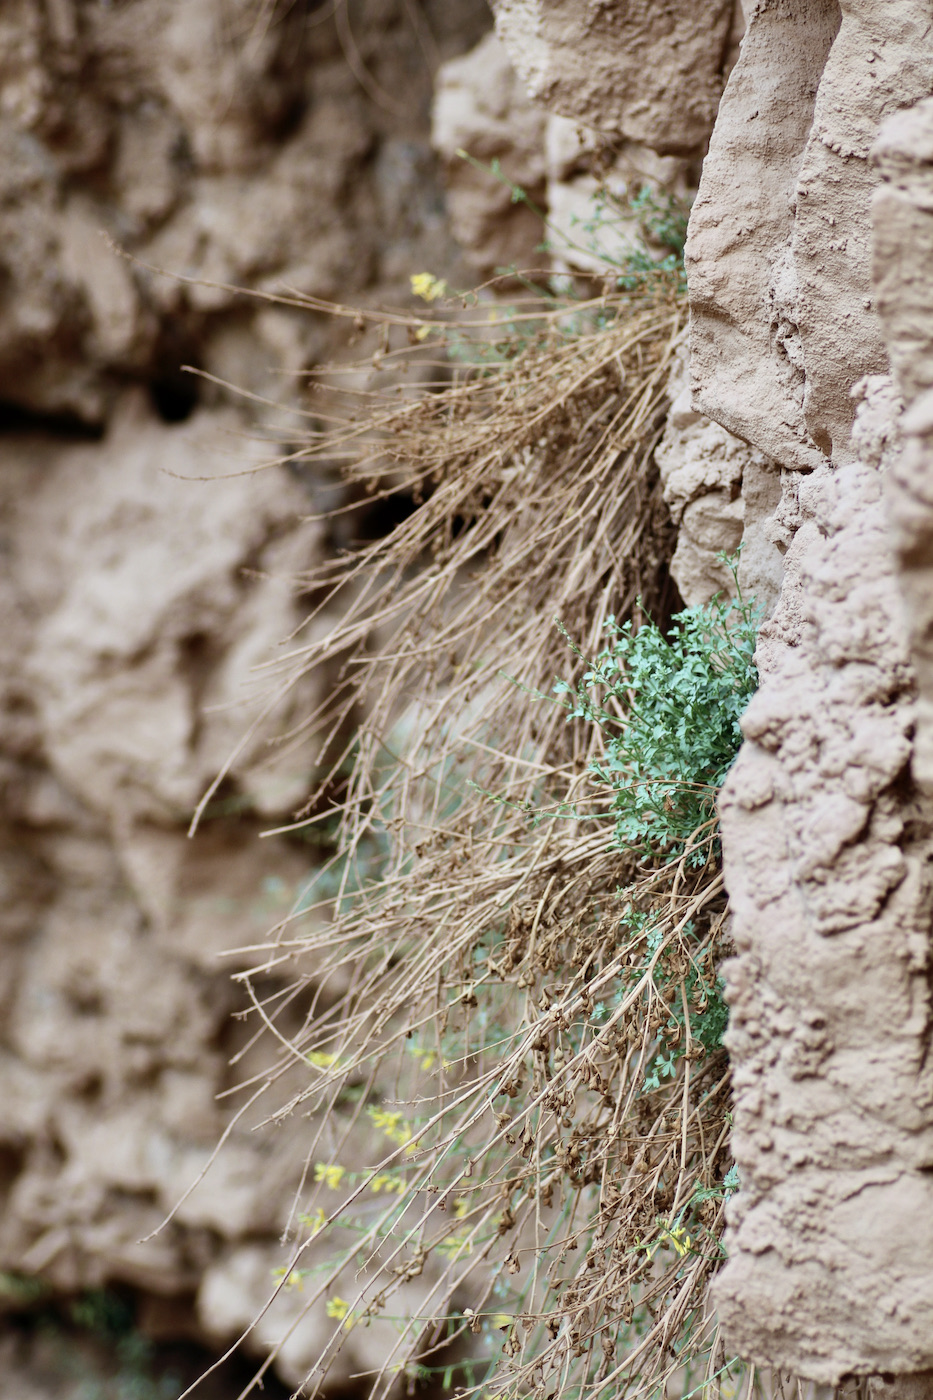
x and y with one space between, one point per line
14 418
11 1164
114 1342
381 517
174 395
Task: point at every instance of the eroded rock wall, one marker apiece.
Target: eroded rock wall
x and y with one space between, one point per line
791 435
902 217
146 570
622 116
631 71
826 837
231 142
235 143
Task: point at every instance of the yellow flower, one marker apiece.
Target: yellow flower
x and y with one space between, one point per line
337 1308
460 1208
294 1279
320 1059
678 1237
422 332
331 1175
385 1122
428 287
315 1222
387 1183
454 1246
394 1127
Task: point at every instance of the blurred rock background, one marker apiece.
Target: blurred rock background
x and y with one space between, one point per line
143 572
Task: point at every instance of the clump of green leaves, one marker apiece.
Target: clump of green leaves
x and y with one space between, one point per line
661 218
659 215
90 1346
669 707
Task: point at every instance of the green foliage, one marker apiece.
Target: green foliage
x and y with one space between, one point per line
663 216
669 708
107 1318
21 1290
697 1012
101 1311
659 215
90 1344
662 221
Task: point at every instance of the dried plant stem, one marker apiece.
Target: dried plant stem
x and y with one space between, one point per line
485 970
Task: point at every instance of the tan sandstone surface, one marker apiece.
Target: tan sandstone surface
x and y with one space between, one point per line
826 837
157 156
791 434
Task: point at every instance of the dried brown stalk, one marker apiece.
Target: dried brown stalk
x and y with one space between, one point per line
479 981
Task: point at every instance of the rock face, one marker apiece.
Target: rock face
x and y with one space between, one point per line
645 73
744 331
233 143
826 837
520 158
146 571
826 854
795 438
145 563
722 494
127 614
480 107
780 286
902 216
614 80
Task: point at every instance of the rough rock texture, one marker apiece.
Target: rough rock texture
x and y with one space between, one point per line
481 110
127 614
902 215
721 493
782 318
587 234
636 71
826 856
237 1285
744 347
713 480
237 142
631 91
229 141
826 838
139 690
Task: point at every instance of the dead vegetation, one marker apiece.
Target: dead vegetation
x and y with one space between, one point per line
519 1012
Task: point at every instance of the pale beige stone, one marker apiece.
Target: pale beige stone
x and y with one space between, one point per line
746 356
825 838
902 216
480 108
623 67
